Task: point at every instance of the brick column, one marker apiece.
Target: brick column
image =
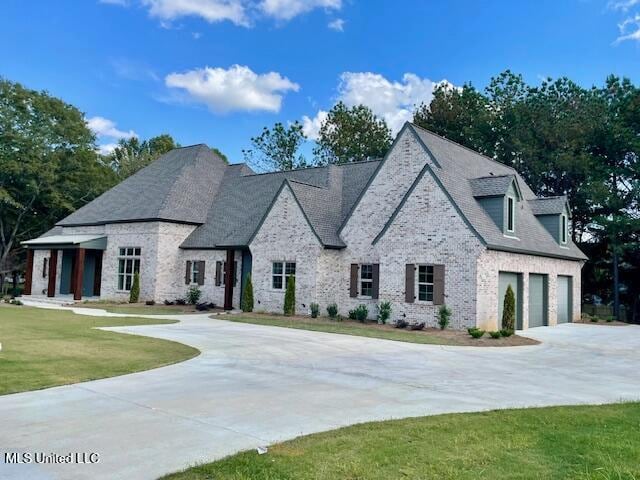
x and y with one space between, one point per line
28 274
53 271
228 281
79 271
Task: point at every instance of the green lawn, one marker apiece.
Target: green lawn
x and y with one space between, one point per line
372 330
43 348
139 309
596 442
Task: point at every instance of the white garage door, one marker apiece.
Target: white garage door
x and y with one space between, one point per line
565 304
537 300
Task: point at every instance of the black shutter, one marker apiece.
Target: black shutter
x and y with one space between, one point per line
187 274
375 284
409 283
218 273
438 284
235 273
353 285
201 273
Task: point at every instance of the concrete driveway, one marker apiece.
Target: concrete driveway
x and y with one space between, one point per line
255 385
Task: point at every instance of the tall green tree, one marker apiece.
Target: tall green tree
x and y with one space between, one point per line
352 134
277 149
48 165
132 154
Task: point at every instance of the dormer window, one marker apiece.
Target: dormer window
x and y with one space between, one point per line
511 214
564 228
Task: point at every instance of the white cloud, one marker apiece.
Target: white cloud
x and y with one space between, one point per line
337 25
107 148
210 10
629 29
288 9
311 126
103 127
623 5
237 88
122 3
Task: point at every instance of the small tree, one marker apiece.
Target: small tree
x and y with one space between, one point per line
384 312
290 297
193 295
444 316
247 295
509 310
134 294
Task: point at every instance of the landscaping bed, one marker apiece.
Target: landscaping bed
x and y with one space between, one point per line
578 442
44 348
371 329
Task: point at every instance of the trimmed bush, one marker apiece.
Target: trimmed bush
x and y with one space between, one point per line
247 295
150 303
509 310
506 333
495 334
417 326
290 297
401 324
476 332
134 294
181 301
384 312
169 302
315 310
352 314
193 295
332 310
444 316
362 312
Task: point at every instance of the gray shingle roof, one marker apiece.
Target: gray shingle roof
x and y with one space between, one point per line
491 186
457 164
548 205
179 186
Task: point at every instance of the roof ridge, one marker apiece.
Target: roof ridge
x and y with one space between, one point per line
291 180
552 197
462 146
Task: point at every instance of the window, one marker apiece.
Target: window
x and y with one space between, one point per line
281 273
366 280
425 283
511 214
563 229
195 271
128 265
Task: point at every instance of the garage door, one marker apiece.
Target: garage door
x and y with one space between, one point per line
565 306
504 280
537 300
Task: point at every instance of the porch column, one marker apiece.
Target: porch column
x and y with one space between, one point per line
228 281
53 271
28 274
78 271
97 276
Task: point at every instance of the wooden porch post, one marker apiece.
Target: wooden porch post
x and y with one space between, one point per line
28 274
53 271
79 270
228 281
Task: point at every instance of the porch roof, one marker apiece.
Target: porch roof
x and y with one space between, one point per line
94 242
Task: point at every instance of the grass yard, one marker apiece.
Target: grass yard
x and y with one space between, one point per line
44 348
139 308
349 327
585 443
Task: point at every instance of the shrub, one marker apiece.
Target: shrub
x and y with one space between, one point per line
315 310
495 334
247 295
384 312
290 297
193 295
401 324
610 319
416 326
444 316
169 302
594 319
332 310
150 303
509 310
134 294
476 332
352 314
506 332
15 301
181 301
362 312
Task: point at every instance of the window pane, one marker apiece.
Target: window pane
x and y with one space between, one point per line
287 278
290 269
511 212
120 282
129 251
127 283
422 292
136 267
365 289
121 266
277 282
277 268
122 252
137 252
366 272
422 273
429 293
128 266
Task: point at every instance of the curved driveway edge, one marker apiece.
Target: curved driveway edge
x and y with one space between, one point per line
255 385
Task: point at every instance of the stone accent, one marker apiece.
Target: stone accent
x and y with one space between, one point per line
491 262
285 235
39 284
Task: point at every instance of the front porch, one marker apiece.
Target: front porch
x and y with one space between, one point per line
71 265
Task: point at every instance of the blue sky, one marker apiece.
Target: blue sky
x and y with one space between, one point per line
217 71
